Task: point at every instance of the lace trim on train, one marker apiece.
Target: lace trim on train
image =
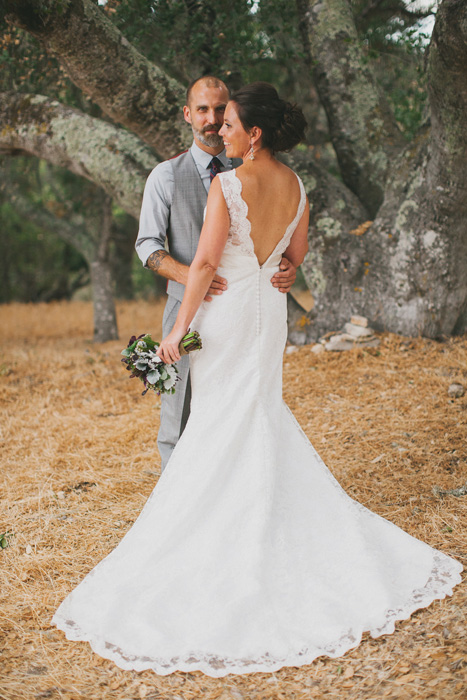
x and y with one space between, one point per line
445 575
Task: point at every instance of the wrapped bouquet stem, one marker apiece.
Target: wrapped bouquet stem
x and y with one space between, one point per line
141 360
191 341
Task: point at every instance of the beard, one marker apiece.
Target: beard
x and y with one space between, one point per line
210 140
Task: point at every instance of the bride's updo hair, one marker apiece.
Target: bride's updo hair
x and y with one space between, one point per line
282 123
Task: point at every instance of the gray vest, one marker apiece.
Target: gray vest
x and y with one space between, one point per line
186 214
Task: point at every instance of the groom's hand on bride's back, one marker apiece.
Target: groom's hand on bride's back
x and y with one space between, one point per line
285 277
218 285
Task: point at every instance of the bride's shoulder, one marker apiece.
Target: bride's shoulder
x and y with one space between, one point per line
290 177
288 172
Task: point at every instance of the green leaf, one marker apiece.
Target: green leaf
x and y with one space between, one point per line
150 342
153 376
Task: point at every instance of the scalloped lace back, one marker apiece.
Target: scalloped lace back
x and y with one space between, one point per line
248 555
239 237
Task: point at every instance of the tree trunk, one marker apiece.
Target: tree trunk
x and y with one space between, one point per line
417 249
105 318
363 130
406 272
335 253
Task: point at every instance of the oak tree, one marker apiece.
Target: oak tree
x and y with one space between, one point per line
387 232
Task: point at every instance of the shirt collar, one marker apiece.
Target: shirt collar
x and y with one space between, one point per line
203 159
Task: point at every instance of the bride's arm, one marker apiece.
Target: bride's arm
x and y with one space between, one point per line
298 246
202 270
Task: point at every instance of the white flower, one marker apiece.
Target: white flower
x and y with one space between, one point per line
172 376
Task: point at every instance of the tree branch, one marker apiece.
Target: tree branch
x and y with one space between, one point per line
114 159
104 65
363 130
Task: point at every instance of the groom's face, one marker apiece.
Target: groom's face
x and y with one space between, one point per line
205 113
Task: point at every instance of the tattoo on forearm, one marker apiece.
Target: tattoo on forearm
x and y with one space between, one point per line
155 259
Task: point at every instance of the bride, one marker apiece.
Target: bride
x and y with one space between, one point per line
248 555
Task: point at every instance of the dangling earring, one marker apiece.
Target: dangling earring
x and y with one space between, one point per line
252 153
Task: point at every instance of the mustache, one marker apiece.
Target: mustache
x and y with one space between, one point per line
210 127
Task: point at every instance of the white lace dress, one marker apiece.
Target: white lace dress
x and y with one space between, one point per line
248 555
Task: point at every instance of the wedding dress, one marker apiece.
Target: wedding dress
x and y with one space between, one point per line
248 555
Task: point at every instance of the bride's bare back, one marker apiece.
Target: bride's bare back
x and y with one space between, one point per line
272 195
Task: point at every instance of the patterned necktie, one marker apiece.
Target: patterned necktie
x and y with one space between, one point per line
215 166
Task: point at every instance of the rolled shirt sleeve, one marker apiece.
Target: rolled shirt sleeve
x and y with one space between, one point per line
155 211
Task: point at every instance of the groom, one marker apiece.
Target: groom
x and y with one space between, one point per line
173 207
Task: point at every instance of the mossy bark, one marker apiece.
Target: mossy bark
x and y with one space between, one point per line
416 281
113 158
407 271
363 130
105 319
335 254
104 65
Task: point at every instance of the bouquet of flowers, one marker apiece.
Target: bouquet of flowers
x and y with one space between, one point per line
140 358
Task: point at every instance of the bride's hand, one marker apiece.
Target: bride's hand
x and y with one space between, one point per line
168 349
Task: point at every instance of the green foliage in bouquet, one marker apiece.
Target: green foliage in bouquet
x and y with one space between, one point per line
141 360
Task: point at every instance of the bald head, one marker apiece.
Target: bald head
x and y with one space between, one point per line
209 81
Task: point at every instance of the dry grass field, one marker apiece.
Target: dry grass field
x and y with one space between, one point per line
79 459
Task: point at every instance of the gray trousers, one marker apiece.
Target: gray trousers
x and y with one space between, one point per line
175 408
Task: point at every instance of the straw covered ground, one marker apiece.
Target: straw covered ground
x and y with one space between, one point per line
79 460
